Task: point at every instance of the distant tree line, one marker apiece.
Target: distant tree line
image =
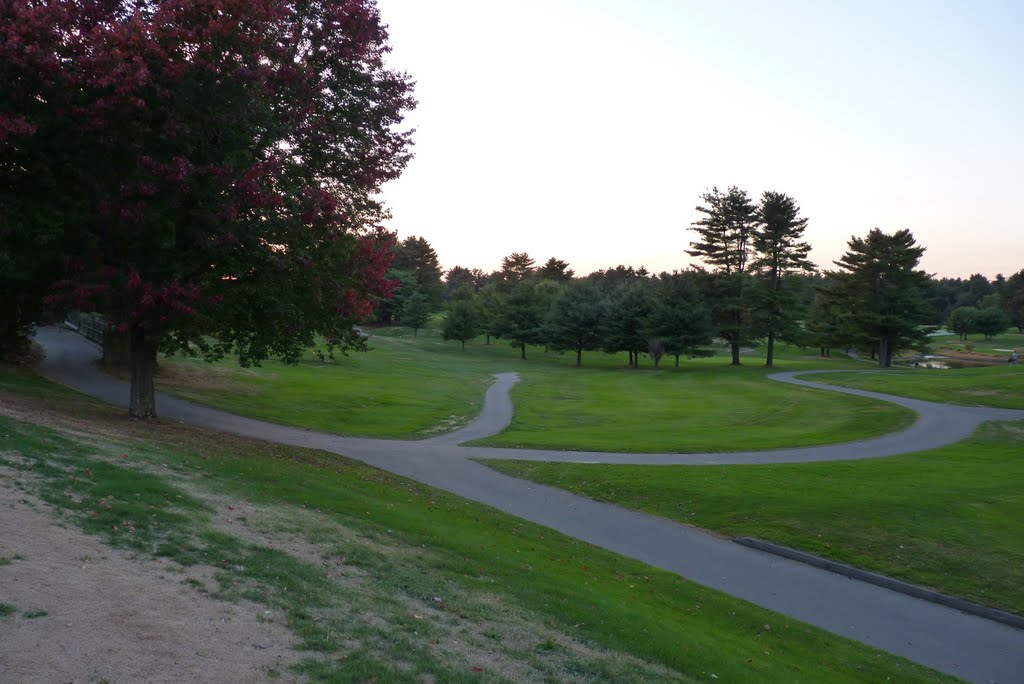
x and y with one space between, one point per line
755 286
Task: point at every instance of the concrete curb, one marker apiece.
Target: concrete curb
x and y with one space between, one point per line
914 590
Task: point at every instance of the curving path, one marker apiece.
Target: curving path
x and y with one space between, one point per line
950 641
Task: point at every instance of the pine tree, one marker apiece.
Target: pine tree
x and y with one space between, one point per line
725 232
879 285
779 251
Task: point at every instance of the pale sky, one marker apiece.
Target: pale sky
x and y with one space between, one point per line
588 129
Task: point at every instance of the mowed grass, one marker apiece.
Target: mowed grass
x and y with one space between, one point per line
413 388
995 386
708 406
399 582
950 518
397 390
998 347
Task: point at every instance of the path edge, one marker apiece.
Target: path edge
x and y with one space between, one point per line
916 591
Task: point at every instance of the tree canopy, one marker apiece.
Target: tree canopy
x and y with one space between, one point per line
217 166
880 286
724 234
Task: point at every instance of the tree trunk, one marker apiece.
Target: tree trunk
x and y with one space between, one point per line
771 350
488 339
142 403
677 360
463 345
884 357
414 331
735 352
522 351
579 358
117 348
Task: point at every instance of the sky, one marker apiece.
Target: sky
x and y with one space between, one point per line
587 130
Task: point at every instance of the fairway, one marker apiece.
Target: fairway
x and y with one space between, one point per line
360 559
415 388
995 386
707 407
947 518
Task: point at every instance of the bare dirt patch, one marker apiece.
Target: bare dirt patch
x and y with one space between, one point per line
101 615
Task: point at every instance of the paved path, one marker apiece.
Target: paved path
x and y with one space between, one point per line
963 645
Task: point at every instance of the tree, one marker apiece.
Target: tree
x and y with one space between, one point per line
555 269
521 316
218 169
779 252
415 255
991 322
576 318
827 323
459 277
974 289
515 268
724 234
415 311
462 320
678 318
1013 300
388 308
626 325
879 286
962 320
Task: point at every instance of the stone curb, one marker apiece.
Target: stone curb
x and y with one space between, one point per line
914 590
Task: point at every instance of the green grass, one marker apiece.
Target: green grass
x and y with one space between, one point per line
409 389
394 391
996 386
522 601
7 609
707 407
976 344
948 518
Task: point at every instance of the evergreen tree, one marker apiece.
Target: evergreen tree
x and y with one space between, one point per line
780 251
724 244
520 316
462 321
555 269
415 255
678 318
626 326
826 324
515 268
415 310
576 319
1013 300
879 285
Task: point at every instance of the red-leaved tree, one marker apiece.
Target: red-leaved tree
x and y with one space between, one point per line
205 169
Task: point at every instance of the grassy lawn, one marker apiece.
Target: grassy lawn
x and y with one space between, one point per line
400 389
410 389
399 582
948 518
996 386
709 406
976 344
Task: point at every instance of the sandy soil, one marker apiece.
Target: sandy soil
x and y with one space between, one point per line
112 618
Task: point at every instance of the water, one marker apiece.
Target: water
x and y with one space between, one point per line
945 363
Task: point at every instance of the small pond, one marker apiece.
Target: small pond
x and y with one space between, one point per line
944 362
